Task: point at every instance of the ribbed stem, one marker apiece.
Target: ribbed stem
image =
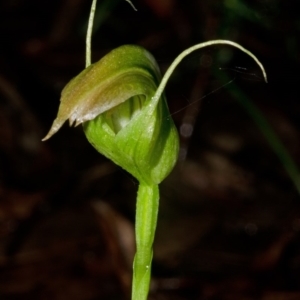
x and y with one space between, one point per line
145 226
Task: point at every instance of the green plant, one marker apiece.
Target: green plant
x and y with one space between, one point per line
121 104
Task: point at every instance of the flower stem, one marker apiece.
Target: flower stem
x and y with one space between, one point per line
145 225
88 53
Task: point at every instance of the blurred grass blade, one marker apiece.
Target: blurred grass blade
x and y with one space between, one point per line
260 120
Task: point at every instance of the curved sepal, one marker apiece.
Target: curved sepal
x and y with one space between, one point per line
106 84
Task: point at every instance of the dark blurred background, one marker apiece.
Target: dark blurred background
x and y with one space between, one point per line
229 218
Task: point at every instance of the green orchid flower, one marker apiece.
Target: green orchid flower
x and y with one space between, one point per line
120 102
122 121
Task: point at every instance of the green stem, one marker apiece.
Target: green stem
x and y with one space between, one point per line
88 41
88 51
145 225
